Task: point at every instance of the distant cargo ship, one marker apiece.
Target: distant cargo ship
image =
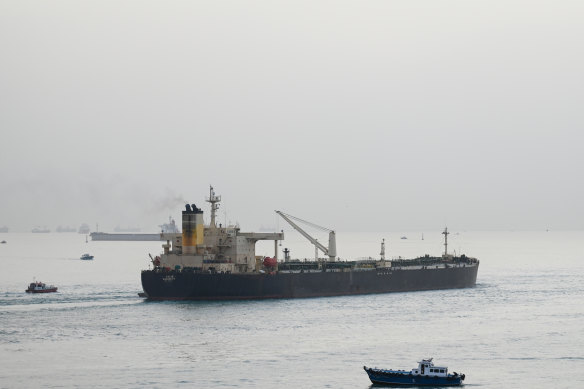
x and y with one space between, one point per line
215 262
170 227
4 229
128 235
124 237
127 229
84 229
39 230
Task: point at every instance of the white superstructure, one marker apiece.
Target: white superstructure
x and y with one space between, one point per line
210 247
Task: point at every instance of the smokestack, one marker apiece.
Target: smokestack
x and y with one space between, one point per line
192 229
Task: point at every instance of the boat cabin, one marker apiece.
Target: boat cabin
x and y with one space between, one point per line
36 286
426 367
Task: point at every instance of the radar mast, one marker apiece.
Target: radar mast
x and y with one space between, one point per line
446 233
382 253
214 200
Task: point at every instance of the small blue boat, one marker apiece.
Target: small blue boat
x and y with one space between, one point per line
425 375
86 257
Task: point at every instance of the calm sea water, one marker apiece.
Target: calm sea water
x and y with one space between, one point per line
522 326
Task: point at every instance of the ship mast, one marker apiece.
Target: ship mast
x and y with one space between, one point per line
214 200
382 250
445 233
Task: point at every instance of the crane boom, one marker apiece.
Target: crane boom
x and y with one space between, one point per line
331 251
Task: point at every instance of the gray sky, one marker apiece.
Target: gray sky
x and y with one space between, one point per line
356 115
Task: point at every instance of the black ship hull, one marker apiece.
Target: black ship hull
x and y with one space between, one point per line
187 285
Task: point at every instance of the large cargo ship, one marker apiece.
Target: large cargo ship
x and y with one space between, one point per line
213 262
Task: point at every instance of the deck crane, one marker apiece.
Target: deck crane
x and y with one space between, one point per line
331 250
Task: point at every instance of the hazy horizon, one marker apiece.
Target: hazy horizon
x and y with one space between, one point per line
358 116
